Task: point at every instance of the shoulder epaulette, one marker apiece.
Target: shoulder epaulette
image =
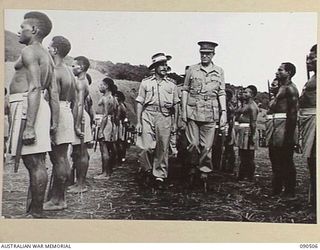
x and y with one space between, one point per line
198 65
148 78
171 80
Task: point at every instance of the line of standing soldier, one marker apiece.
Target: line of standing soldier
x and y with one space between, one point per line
47 99
50 110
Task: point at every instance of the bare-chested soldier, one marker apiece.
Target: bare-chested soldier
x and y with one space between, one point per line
247 141
281 140
307 119
80 154
58 49
34 74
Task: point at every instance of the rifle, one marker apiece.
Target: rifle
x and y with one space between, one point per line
223 139
131 134
308 72
73 170
269 92
19 143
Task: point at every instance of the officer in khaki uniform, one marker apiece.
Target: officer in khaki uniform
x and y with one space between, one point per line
203 98
156 101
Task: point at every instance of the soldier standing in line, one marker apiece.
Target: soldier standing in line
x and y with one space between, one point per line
261 125
31 114
58 49
80 156
247 138
281 139
203 96
156 99
307 120
108 129
228 158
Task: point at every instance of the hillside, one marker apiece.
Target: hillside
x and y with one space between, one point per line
127 76
98 70
12 47
123 85
121 71
127 87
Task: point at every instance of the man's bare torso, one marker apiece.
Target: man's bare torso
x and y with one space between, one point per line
65 82
246 112
308 97
42 59
284 98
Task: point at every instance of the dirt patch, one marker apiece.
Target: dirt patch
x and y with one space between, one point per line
122 198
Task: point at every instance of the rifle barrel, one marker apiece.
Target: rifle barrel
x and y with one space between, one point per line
269 90
308 72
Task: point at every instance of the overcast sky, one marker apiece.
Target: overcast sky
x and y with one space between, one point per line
251 45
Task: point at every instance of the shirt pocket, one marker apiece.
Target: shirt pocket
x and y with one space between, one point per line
192 101
196 81
168 97
149 94
212 109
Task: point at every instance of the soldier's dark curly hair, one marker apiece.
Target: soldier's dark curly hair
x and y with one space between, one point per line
110 84
289 67
62 45
42 22
253 89
83 61
314 49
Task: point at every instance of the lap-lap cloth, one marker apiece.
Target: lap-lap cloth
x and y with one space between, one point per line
243 137
65 130
110 132
87 130
276 128
18 105
307 123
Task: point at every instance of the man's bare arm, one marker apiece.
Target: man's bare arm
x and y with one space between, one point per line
72 93
53 92
81 90
34 91
291 121
280 95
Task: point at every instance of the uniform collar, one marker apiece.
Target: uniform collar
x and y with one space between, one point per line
210 69
164 79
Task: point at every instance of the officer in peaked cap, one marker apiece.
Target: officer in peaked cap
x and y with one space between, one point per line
203 98
206 46
156 101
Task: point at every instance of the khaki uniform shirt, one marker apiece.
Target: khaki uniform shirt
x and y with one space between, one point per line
204 85
162 95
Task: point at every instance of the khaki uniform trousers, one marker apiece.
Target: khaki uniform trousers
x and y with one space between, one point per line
200 136
154 142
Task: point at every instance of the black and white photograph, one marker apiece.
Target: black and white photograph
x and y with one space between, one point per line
180 116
